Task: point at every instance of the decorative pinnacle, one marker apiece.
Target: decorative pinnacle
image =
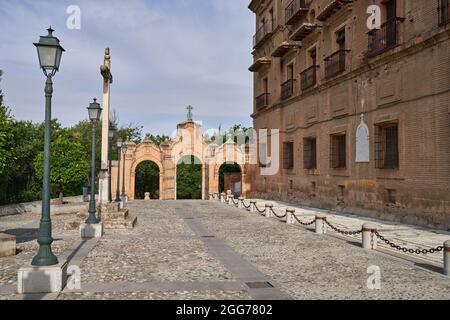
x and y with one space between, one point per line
50 32
95 99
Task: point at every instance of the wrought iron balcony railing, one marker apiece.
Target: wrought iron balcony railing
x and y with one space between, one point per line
262 101
335 63
263 32
444 12
309 77
287 89
384 38
295 11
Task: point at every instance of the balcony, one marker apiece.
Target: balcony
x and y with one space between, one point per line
262 101
295 11
303 31
263 33
284 48
287 89
329 10
335 63
308 78
260 63
444 12
384 38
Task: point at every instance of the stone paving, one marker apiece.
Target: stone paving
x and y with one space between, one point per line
209 250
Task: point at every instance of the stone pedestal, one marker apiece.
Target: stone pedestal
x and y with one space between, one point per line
447 258
369 239
290 216
89 231
103 188
269 208
7 245
48 279
147 196
113 217
321 226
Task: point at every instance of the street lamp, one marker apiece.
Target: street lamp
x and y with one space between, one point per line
95 111
49 53
119 145
124 149
111 132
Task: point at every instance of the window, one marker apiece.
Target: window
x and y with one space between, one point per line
288 155
386 146
338 157
444 12
391 196
310 153
262 155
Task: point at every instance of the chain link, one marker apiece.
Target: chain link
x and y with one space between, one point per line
408 250
306 224
347 233
276 215
260 211
245 206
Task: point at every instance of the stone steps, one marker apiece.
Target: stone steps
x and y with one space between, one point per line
128 223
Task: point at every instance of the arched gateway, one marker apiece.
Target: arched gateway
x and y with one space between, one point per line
189 141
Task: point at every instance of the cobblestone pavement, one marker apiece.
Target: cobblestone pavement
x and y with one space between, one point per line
168 256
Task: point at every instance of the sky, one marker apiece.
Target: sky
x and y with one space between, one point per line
165 55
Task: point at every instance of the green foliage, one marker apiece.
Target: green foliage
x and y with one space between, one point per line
147 180
189 178
157 140
69 163
239 134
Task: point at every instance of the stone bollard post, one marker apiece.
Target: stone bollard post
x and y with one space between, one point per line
369 239
253 206
241 203
269 208
447 258
223 197
147 196
290 216
230 200
321 226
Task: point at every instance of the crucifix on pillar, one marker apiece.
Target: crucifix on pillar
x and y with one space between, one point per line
105 71
189 115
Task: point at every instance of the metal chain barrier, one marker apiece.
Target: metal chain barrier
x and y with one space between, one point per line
245 206
260 211
278 216
347 233
408 250
306 224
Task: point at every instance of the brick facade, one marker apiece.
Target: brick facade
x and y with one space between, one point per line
318 69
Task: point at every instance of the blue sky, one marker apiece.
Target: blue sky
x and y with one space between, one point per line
166 54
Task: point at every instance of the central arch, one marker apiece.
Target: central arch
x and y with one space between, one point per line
230 178
189 178
147 179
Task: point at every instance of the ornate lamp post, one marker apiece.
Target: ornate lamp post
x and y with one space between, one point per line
124 149
111 132
119 146
95 111
50 53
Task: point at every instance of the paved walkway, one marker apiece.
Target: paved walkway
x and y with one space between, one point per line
209 250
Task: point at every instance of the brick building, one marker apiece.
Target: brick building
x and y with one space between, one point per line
364 115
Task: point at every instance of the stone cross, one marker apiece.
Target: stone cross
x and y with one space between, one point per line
189 115
105 71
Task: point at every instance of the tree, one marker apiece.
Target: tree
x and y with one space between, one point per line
157 140
7 156
69 164
189 178
147 180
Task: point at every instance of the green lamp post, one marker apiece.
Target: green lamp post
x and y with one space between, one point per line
124 150
95 112
111 132
49 53
119 146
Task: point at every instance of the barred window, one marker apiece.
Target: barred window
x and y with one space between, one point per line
262 155
310 153
386 146
444 12
288 155
338 148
